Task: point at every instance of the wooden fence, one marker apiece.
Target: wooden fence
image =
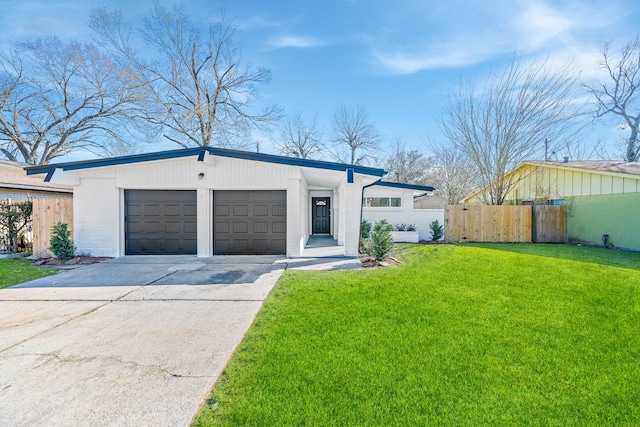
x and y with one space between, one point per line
550 224
516 224
46 213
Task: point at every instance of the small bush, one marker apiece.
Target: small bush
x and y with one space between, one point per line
411 227
381 242
437 230
61 244
399 227
365 229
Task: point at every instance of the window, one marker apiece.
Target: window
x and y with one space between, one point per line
383 202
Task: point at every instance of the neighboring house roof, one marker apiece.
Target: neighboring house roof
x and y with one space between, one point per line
429 201
607 166
424 188
600 167
201 152
13 175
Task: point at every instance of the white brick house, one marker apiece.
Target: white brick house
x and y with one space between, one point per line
209 201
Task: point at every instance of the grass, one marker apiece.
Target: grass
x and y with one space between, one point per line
14 271
462 335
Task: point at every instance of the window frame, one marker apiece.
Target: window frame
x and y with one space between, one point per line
388 205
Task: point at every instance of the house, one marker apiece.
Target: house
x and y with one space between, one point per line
429 201
396 202
15 184
211 201
602 197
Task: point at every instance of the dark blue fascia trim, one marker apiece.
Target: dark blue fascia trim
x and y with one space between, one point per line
405 186
114 161
223 152
49 175
349 175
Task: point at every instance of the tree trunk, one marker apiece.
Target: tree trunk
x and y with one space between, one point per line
632 145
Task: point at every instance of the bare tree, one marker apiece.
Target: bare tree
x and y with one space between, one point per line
584 150
619 96
355 139
405 165
56 98
197 88
509 120
452 174
300 139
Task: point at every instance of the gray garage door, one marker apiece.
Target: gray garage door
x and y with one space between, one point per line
160 222
249 222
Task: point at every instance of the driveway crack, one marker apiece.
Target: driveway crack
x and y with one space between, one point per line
78 359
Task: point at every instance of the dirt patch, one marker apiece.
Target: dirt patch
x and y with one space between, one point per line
79 260
434 242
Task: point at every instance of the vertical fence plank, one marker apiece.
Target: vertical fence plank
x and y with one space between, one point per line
46 213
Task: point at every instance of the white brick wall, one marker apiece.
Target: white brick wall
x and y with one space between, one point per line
96 213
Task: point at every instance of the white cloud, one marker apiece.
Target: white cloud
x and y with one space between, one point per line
526 27
293 41
539 23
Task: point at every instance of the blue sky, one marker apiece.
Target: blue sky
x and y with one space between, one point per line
397 59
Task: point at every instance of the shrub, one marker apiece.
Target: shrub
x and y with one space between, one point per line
411 227
399 227
365 229
437 231
15 221
381 242
61 244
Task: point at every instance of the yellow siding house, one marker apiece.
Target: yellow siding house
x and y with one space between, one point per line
602 197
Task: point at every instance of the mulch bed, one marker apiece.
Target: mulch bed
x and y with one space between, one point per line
79 260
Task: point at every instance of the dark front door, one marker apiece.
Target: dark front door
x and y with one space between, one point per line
320 217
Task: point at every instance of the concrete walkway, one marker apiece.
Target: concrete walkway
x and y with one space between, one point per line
131 341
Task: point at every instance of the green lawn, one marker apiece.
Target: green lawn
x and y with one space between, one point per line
14 271
462 335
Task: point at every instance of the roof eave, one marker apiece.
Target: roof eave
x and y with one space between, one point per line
172 154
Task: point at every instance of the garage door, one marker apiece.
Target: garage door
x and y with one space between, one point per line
249 222
160 222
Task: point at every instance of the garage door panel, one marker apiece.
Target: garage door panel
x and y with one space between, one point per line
240 227
190 210
279 227
160 222
249 228
278 210
260 244
240 245
151 210
260 227
191 227
172 210
241 210
222 210
172 227
261 210
221 228
222 246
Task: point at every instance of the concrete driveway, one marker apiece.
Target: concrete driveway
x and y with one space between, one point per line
129 342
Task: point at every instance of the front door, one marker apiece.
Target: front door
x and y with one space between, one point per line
321 216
